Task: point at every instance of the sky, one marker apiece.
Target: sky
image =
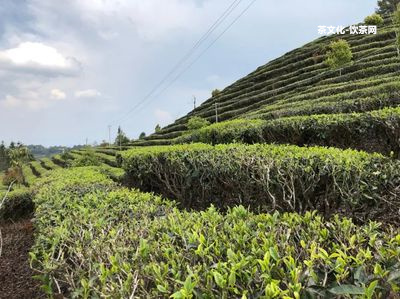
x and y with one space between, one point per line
69 69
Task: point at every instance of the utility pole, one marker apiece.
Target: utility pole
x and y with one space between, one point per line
86 141
109 135
216 112
194 102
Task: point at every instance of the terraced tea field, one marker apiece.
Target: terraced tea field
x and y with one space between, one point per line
295 193
299 84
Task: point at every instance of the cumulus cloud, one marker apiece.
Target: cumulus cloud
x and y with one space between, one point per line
38 58
88 93
163 117
57 94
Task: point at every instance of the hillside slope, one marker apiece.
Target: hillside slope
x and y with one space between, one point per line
300 83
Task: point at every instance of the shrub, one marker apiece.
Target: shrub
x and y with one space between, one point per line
215 92
13 175
373 19
142 135
269 178
339 54
375 131
197 122
101 242
87 158
18 204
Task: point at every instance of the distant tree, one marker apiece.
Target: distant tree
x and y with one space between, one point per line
215 92
19 155
197 122
4 159
373 19
157 128
339 55
387 6
121 138
142 135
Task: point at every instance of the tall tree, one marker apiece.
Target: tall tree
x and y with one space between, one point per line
121 138
142 135
387 6
4 160
157 128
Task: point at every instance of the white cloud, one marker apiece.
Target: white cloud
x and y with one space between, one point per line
57 94
38 58
88 93
163 117
33 102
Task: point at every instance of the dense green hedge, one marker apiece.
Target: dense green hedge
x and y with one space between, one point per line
48 163
269 177
95 241
17 204
376 131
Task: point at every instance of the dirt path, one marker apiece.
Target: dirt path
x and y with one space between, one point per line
15 274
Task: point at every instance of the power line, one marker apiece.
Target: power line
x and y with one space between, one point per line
210 30
202 53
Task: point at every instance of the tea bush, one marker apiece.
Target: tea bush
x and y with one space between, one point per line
97 241
269 178
376 131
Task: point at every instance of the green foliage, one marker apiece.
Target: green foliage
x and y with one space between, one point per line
121 138
101 241
87 158
381 128
13 175
268 178
387 6
197 122
215 92
374 19
396 22
17 204
157 129
142 135
339 54
49 163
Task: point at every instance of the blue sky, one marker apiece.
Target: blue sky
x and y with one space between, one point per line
70 68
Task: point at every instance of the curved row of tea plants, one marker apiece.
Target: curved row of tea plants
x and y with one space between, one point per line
376 131
94 240
269 178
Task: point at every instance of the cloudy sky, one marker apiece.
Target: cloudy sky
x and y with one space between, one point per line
68 69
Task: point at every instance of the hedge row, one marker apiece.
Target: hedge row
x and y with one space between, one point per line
269 178
96 241
17 204
376 131
253 104
49 164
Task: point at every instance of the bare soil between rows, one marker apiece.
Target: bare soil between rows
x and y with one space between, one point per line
15 273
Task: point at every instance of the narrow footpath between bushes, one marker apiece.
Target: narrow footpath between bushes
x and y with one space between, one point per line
15 274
